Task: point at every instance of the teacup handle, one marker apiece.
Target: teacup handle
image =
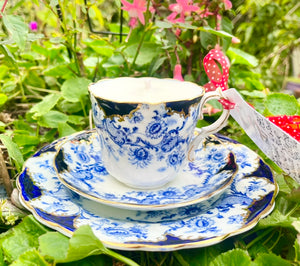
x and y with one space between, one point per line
213 128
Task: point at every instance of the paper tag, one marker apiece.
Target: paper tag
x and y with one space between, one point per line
279 146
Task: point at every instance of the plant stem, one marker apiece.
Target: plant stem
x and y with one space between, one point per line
258 238
3 8
120 257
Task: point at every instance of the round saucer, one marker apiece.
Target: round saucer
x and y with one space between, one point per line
79 167
249 198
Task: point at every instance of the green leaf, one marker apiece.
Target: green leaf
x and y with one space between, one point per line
21 238
253 94
101 47
207 39
82 244
297 248
3 71
52 119
147 53
26 140
62 70
156 64
30 258
238 56
34 80
74 89
276 218
264 259
13 151
3 98
76 119
220 33
281 104
232 258
163 24
54 245
17 28
45 105
9 58
65 130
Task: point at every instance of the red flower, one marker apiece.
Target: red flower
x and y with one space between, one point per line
290 124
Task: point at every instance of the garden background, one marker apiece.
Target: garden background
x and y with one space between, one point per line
52 50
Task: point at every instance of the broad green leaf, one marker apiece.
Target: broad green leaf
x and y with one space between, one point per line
30 258
74 89
147 53
21 238
232 258
276 218
281 104
82 244
156 64
55 245
26 140
297 248
220 33
264 259
52 119
238 56
17 28
3 71
62 70
13 151
45 105
163 24
69 107
9 58
3 98
65 130
207 39
253 94
34 80
100 47
76 119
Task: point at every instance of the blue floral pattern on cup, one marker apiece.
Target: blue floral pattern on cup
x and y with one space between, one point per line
249 198
154 138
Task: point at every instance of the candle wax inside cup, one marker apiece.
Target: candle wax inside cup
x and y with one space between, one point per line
145 90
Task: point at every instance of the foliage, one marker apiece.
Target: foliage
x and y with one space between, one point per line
269 30
44 78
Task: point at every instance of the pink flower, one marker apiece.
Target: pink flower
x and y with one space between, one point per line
33 26
135 10
228 4
182 8
177 72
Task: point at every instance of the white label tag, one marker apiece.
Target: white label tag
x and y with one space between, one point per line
279 146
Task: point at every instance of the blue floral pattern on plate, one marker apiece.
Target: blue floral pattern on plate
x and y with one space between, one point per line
249 198
79 167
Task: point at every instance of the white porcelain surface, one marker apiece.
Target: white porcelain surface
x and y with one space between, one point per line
145 141
80 167
249 198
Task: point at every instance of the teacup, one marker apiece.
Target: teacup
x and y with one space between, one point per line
146 127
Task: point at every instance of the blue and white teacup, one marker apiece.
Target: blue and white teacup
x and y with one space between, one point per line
146 127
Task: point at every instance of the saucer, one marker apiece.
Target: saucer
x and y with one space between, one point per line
80 168
249 198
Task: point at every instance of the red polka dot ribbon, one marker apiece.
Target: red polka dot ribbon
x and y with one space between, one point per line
216 66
